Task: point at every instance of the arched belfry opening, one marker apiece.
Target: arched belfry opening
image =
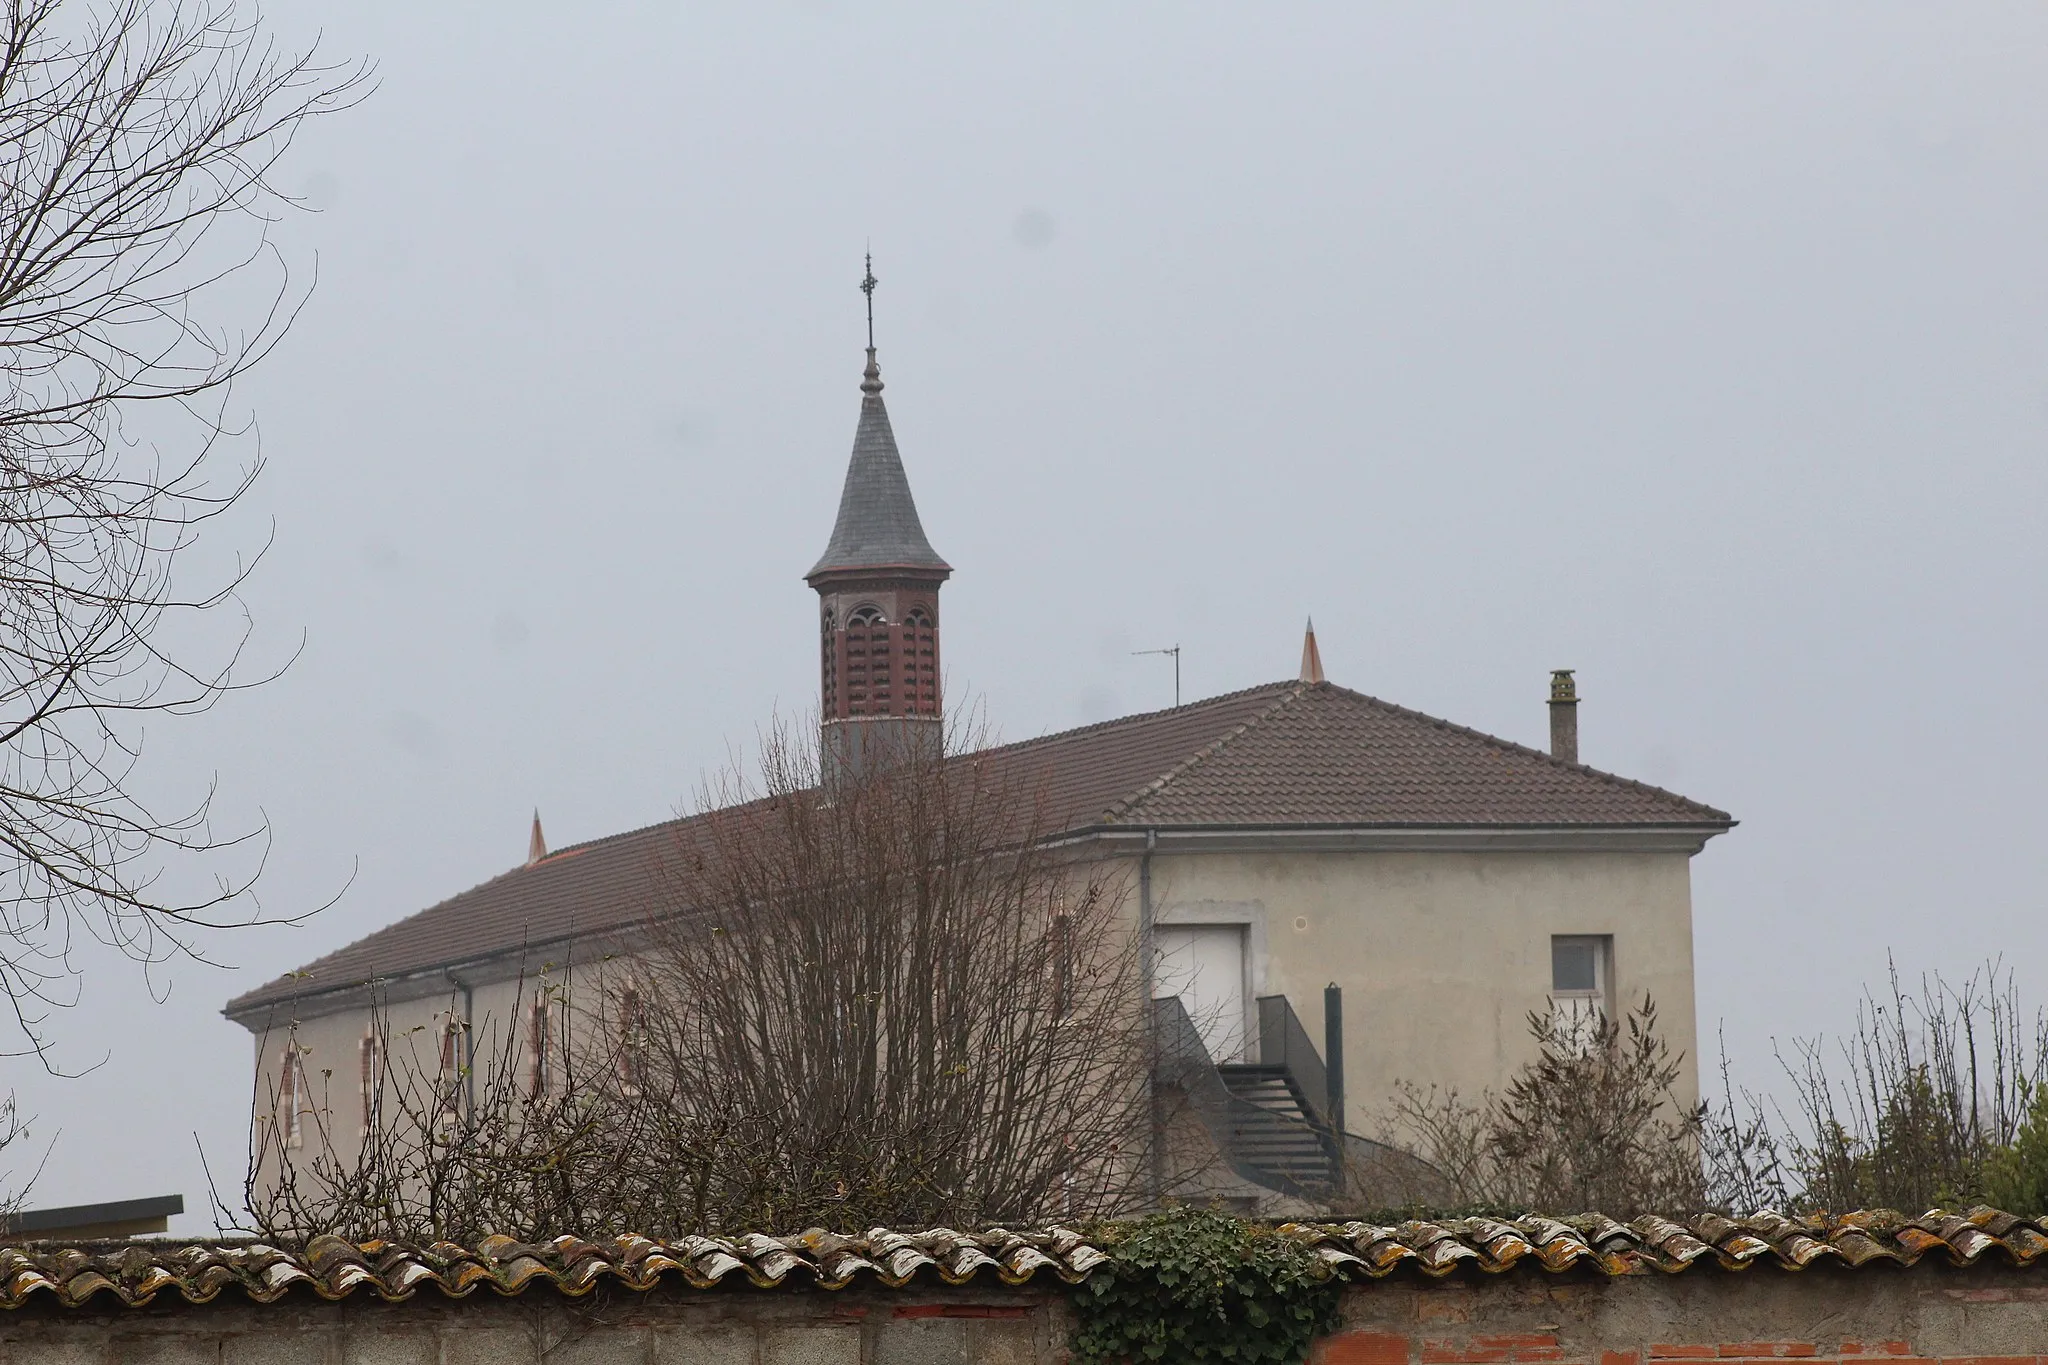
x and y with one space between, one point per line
878 588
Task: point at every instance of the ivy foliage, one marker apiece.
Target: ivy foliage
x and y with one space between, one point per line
1193 1286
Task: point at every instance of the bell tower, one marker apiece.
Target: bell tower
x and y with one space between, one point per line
878 589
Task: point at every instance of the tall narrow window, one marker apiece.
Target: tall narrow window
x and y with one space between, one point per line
293 1097
1062 962
828 651
537 1029
451 1070
920 663
867 662
370 1069
632 1040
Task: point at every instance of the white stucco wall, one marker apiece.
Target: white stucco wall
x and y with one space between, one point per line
1441 955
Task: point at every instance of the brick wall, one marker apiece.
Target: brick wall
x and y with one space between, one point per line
1878 1315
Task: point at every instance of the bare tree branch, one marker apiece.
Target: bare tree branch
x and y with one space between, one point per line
137 140
880 1000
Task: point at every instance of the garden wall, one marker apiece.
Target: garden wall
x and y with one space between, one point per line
1883 1314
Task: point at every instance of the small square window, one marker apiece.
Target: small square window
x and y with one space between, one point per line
1579 965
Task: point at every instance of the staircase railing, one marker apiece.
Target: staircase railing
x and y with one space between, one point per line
1283 1042
1396 1176
1185 1064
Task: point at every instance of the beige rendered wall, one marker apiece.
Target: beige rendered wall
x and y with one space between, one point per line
1441 955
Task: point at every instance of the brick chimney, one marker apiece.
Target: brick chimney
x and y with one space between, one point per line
1564 716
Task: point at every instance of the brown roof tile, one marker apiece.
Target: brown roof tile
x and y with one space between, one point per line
135 1273
1324 755
1286 755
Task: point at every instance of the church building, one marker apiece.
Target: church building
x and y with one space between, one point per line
1340 894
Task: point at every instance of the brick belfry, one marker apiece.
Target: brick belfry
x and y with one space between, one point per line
878 590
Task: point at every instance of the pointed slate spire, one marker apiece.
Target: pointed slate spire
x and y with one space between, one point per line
536 843
878 526
1311 657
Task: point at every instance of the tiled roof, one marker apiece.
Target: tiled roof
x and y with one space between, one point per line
1285 755
134 1273
1320 754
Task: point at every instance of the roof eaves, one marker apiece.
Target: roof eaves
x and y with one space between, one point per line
880 568
385 986
1353 826
280 990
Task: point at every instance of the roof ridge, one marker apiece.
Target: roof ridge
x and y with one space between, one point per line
1611 779
1135 718
1286 697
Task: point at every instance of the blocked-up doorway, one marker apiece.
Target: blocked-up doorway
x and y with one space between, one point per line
1204 964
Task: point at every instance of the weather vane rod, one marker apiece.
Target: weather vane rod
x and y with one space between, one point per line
867 286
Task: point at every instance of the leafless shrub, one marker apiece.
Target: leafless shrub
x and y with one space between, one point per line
1744 1151
137 140
458 1134
880 1000
1931 1088
1594 1123
1934 1099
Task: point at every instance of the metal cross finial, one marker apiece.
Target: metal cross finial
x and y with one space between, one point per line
867 286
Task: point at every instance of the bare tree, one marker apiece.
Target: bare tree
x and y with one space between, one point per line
922 1011
879 1000
137 143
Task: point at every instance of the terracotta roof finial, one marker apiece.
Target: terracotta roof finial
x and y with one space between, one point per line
1311 657
871 377
537 843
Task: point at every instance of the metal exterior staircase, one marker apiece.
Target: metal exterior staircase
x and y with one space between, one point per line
1274 1129
1266 1116
1270 1120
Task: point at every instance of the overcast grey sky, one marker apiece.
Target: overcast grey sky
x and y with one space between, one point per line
1700 348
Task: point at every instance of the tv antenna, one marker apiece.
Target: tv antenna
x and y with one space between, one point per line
1174 650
